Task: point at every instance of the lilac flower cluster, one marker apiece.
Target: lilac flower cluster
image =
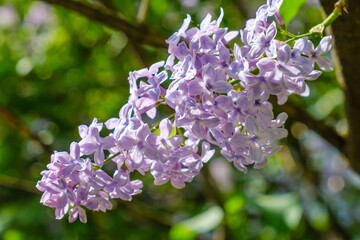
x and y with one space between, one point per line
216 96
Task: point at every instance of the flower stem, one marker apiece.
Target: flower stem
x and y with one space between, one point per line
339 7
286 33
96 167
156 126
331 18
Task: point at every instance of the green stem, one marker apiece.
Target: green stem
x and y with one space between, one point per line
234 81
340 7
286 33
156 126
332 17
96 167
308 34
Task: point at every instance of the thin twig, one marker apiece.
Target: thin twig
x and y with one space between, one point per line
140 211
107 3
210 187
241 6
12 120
18 184
138 33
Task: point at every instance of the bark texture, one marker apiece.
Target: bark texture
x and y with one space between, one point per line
346 30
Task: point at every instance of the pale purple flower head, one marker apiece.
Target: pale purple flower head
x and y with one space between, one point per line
216 95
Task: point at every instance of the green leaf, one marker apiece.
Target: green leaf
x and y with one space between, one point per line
13 234
201 223
235 204
282 210
159 7
289 9
179 232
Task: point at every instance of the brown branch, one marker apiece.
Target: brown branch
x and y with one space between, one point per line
242 7
107 3
138 33
18 184
13 121
140 211
210 187
347 44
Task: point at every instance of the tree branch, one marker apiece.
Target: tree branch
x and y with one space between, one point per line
138 33
242 7
14 122
17 183
139 211
210 187
347 44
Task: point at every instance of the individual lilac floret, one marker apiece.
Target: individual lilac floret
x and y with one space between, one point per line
274 10
146 94
318 54
174 39
265 43
92 142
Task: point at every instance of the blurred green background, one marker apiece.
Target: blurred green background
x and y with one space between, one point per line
59 69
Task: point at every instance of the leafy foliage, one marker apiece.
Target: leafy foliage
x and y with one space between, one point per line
289 9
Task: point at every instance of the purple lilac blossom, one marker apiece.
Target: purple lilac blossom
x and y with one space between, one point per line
217 96
317 54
